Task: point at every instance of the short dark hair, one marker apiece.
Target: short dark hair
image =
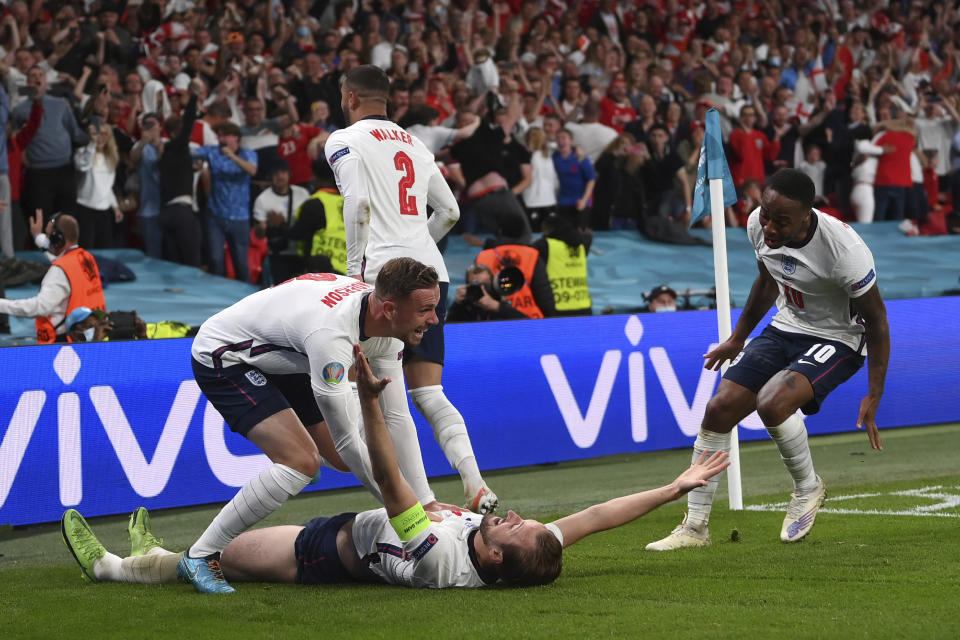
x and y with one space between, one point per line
220 109
368 82
521 568
793 184
400 277
228 129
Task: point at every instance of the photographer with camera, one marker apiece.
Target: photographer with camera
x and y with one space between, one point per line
480 299
72 282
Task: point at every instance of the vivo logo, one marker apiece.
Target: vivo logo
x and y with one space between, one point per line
147 477
584 427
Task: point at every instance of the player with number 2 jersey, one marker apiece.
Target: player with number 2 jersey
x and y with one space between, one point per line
387 178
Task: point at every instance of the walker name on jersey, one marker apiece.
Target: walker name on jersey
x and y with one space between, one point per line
384 135
338 294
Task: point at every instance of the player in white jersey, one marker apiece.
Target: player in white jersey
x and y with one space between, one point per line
400 544
830 312
274 365
387 178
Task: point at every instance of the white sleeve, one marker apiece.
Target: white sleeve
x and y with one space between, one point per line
403 432
260 208
867 148
54 289
348 171
855 271
446 211
329 360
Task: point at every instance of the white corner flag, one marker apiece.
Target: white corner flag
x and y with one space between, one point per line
713 191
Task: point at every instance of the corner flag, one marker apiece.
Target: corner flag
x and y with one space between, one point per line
712 166
714 190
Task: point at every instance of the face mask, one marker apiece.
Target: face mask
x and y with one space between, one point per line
665 309
303 32
774 61
88 334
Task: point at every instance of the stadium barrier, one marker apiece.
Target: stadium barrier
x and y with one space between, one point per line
108 427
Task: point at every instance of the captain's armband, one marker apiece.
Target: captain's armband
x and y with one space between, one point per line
411 522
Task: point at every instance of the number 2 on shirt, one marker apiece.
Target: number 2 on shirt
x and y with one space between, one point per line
408 204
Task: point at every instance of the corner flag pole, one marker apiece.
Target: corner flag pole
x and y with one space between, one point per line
713 191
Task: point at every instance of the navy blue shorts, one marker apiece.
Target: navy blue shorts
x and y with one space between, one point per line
318 561
245 396
825 363
431 347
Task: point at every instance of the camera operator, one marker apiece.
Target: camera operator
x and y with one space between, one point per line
479 300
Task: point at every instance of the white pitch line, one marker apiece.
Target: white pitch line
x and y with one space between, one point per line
877 512
946 501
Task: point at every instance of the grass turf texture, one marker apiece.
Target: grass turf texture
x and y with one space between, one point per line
856 576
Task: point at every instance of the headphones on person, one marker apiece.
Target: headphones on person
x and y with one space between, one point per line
57 239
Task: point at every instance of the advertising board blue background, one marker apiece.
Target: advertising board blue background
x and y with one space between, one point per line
108 427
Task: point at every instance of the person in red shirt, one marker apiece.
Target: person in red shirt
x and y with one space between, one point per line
615 109
294 148
749 148
893 172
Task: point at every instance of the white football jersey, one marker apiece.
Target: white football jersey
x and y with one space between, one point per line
305 325
436 558
818 280
396 172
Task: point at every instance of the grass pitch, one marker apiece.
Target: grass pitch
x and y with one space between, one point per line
883 561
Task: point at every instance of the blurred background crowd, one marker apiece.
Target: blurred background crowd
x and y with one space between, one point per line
195 130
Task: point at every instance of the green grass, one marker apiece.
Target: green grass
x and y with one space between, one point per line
856 576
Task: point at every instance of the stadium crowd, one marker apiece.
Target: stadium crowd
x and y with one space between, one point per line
161 123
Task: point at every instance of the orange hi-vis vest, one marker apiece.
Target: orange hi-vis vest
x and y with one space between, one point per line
523 258
86 290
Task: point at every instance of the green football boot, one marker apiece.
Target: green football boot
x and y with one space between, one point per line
81 542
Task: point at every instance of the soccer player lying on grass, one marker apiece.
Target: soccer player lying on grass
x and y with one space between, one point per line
397 544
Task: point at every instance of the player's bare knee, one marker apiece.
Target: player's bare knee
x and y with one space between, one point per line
772 408
717 417
306 461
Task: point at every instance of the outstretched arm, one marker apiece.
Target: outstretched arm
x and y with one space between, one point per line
619 511
398 496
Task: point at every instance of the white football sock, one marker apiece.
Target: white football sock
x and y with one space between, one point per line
700 500
450 430
157 567
791 439
259 497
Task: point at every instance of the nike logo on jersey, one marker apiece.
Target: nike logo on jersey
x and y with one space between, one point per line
802 361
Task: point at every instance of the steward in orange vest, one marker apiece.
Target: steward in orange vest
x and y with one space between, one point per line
529 299
72 281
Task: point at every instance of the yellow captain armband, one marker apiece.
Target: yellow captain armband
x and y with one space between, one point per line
411 522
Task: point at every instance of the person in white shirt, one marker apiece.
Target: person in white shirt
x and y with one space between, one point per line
591 136
399 544
387 177
864 171
97 206
815 168
280 200
540 198
276 207
275 366
830 313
